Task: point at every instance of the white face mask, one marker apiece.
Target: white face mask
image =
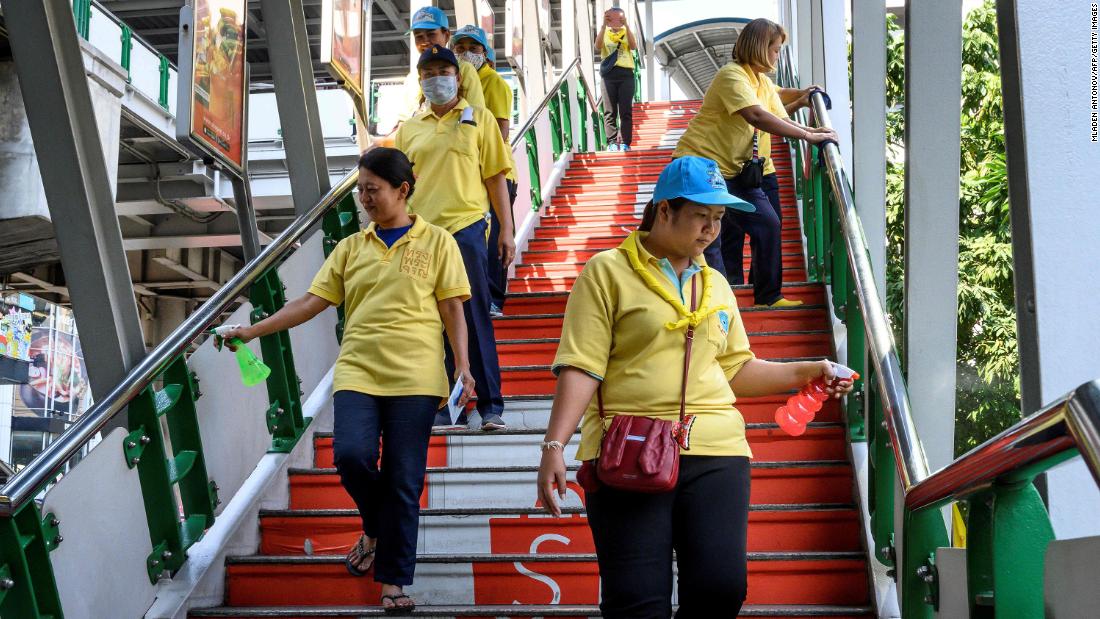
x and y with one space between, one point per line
439 90
473 58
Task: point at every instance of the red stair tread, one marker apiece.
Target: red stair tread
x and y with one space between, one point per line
838 582
823 484
826 530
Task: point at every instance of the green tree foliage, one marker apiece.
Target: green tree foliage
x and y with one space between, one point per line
988 396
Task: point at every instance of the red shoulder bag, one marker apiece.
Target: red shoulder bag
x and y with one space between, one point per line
642 454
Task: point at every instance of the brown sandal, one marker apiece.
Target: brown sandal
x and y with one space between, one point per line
361 549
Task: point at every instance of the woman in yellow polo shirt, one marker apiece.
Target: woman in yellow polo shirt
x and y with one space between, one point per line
741 104
624 330
618 84
402 283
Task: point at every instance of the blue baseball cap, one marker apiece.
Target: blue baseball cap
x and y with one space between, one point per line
430 18
437 52
474 33
698 179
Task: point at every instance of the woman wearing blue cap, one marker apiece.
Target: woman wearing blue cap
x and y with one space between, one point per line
471 45
636 315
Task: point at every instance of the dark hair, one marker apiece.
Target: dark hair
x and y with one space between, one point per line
649 215
391 165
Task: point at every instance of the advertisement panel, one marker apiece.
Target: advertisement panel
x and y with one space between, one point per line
216 98
342 42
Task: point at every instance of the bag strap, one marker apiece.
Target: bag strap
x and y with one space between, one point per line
755 142
689 337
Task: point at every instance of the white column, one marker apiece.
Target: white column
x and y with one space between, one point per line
933 38
834 48
651 58
1053 157
7 403
803 19
869 128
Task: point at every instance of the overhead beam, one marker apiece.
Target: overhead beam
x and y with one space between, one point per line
188 241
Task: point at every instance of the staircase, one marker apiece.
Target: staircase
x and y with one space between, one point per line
485 549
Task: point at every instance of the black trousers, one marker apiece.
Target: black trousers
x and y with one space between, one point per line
733 243
705 520
482 343
388 497
764 228
618 96
498 275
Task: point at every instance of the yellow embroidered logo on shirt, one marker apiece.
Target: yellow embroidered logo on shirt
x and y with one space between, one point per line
415 263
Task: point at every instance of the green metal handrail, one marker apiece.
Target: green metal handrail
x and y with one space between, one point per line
1008 528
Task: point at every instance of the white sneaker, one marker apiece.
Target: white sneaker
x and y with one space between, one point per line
612 148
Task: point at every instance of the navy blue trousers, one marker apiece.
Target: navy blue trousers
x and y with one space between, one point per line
482 343
704 519
764 228
498 275
388 497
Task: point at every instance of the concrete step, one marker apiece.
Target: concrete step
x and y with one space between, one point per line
520 302
803 318
798 528
774 578
510 610
513 485
822 441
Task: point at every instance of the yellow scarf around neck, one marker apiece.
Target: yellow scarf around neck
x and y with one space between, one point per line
632 248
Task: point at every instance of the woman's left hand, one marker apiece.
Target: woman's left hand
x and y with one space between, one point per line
463 374
836 387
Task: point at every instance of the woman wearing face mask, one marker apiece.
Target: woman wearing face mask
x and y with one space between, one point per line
390 375
470 44
618 85
461 161
636 316
741 110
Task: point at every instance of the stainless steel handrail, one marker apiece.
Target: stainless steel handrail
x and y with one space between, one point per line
1071 421
28 481
911 462
550 94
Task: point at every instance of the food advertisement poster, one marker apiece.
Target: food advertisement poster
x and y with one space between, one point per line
342 42
218 79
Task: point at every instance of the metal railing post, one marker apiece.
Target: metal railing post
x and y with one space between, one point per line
127 37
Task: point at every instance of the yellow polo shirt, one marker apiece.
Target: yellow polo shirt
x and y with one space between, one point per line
393 344
469 89
498 100
615 328
718 132
451 160
611 43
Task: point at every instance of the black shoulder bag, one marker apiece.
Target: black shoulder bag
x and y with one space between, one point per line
751 175
607 64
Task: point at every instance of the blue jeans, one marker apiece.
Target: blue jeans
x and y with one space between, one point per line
764 227
482 342
388 497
